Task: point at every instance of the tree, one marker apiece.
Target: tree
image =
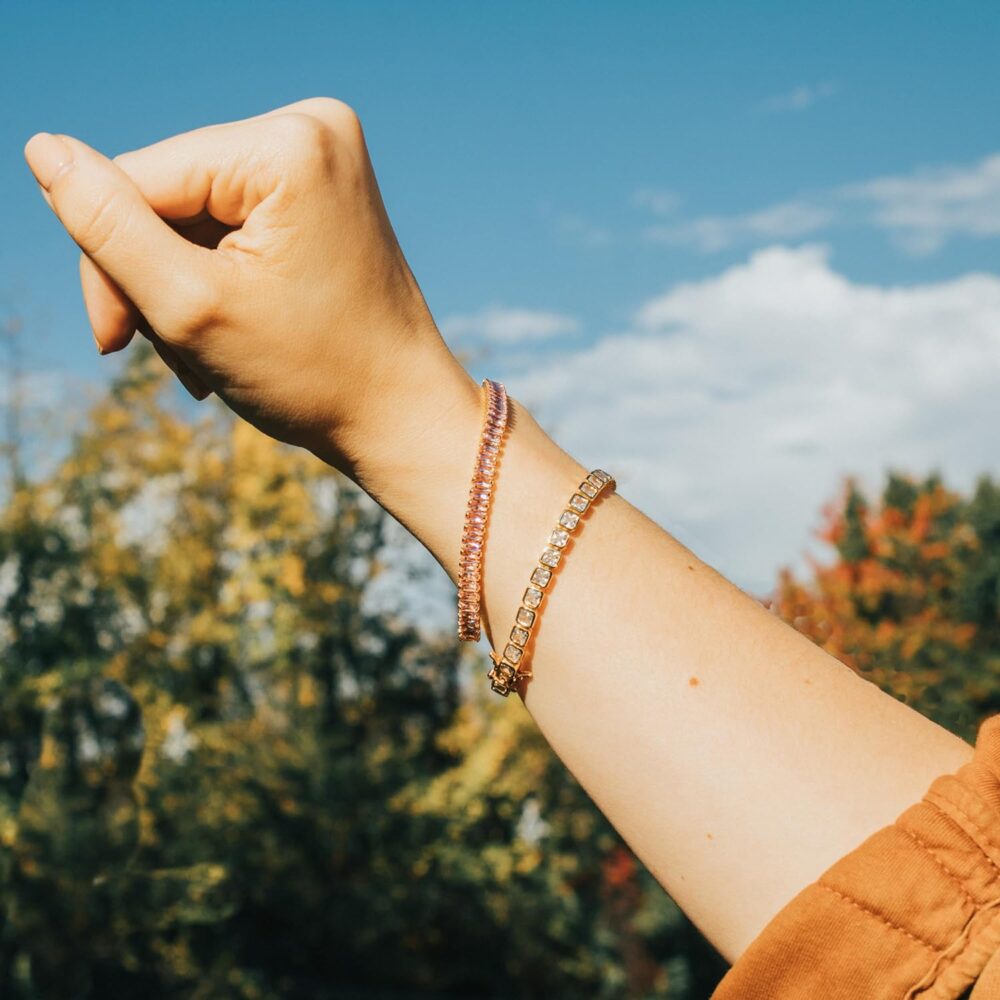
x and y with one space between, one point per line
222 774
912 600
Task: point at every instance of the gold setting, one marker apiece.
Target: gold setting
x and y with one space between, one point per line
511 666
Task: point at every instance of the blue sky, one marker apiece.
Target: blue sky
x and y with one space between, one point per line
712 192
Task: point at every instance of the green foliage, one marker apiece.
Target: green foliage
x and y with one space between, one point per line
223 775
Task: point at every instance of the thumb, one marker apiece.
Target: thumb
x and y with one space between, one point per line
106 215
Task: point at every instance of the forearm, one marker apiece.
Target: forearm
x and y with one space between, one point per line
737 758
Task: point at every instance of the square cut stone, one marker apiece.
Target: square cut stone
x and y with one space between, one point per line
559 538
578 503
541 576
525 617
512 653
518 636
588 489
569 520
550 557
532 597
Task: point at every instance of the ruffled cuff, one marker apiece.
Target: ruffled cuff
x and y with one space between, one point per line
913 912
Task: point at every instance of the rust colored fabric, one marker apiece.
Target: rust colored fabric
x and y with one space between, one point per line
913 913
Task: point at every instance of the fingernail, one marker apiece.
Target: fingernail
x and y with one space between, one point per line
48 156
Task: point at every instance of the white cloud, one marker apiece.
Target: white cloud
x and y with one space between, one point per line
921 210
710 233
799 98
924 208
656 200
734 406
576 229
506 326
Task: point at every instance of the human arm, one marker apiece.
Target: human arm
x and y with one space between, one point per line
301 314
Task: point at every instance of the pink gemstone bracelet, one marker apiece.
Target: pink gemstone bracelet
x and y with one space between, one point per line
470 565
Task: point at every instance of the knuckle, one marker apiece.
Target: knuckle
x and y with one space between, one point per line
346 123
307 141
103 215
200 308
338 115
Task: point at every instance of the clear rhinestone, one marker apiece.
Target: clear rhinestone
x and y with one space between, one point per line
569 520
519 636
532 597
588 489
578 503
541 576
525 617
559 538
550 557
512 653
597 480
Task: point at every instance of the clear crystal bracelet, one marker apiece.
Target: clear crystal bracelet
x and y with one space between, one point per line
512 665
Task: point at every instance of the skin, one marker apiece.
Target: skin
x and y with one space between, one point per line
737 759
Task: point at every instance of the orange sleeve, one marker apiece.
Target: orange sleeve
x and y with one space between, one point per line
913 912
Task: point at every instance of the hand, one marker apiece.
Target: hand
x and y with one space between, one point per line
258 258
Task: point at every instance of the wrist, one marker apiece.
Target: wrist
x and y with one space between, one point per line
413 446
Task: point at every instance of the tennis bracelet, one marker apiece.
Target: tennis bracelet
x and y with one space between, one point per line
477 514
512 665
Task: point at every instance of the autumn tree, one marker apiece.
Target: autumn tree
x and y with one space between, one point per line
223 773
912 599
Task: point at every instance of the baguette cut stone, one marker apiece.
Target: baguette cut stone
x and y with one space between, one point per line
588 489
512 653
550 557
541 575
559 537
596 480
532 597
569 520
525 617
578 503
518 635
